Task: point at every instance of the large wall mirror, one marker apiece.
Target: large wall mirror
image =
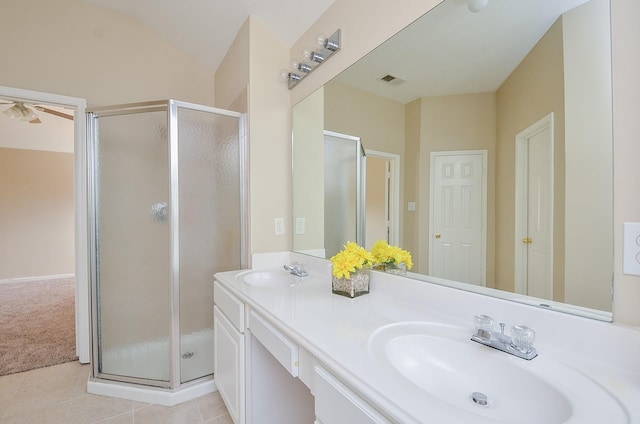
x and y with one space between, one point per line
488 144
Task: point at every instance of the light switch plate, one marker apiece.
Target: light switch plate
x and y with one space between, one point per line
300 224
278 223
631 249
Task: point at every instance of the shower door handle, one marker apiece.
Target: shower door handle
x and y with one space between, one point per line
160 211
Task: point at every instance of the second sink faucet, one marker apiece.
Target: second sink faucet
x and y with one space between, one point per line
520 343
297 270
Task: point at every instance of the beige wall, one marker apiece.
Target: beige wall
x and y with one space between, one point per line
308 181
269 141
588 149
377 121
531 92
36 213
74 48
625 29
412 126
232 76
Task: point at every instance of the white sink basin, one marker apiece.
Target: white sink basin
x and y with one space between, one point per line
269 278
443 362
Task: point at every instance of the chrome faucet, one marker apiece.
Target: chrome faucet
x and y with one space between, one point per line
296 269
519 344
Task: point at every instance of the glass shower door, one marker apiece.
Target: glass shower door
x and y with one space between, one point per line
133 244
344 191
209 226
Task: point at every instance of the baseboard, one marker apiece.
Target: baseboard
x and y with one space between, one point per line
155 396
39 278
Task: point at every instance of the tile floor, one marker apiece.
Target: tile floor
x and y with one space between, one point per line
58 395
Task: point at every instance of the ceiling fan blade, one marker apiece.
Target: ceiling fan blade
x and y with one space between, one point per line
53 112
35 121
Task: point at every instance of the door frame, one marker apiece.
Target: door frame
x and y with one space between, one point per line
80 206
522 181
483 231
394 196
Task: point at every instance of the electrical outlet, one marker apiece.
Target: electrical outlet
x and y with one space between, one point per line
411 206
300 224
631 249
278 223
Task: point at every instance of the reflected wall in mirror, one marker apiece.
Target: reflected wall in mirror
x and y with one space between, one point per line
528 85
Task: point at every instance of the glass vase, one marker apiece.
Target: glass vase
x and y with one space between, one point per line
356 285
392 268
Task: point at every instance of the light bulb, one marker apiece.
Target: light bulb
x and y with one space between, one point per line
327 43
477 5
290 76
28 114
13 112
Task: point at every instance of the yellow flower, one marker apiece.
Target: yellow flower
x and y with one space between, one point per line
384 254
350 259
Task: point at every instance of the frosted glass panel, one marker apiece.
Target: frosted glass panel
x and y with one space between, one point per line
209 227
340 193
133 248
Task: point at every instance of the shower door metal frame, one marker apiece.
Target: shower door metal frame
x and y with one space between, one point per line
171 108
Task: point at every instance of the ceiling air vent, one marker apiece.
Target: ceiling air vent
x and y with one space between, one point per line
391 80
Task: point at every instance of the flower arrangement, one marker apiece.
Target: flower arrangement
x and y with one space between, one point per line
350 259
387 256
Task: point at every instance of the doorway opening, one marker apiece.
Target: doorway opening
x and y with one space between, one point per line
45 106
382 197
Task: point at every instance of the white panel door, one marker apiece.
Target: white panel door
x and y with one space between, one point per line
534 210
458 216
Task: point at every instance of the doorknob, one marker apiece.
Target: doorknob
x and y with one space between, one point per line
438 235
527 240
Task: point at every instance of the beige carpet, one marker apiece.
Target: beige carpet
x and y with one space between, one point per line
37 324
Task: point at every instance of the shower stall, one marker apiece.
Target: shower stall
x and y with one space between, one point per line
167 196
345 175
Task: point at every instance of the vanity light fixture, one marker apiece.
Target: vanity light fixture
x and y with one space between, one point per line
328 46
301 66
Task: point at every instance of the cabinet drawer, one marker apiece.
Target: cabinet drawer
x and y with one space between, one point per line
279 345
336 403
230 305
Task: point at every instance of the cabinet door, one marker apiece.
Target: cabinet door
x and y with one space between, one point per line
228 365
337 404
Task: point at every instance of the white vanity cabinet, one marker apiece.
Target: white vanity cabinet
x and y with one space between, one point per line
264 377
229 351
335 403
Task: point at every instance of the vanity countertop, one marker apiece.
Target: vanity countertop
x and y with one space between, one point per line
336 330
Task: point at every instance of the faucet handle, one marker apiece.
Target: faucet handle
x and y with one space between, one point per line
522 338
484 325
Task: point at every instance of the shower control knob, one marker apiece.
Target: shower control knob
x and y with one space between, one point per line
160 211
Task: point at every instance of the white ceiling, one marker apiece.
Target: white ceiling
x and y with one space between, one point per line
451 50
205 29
